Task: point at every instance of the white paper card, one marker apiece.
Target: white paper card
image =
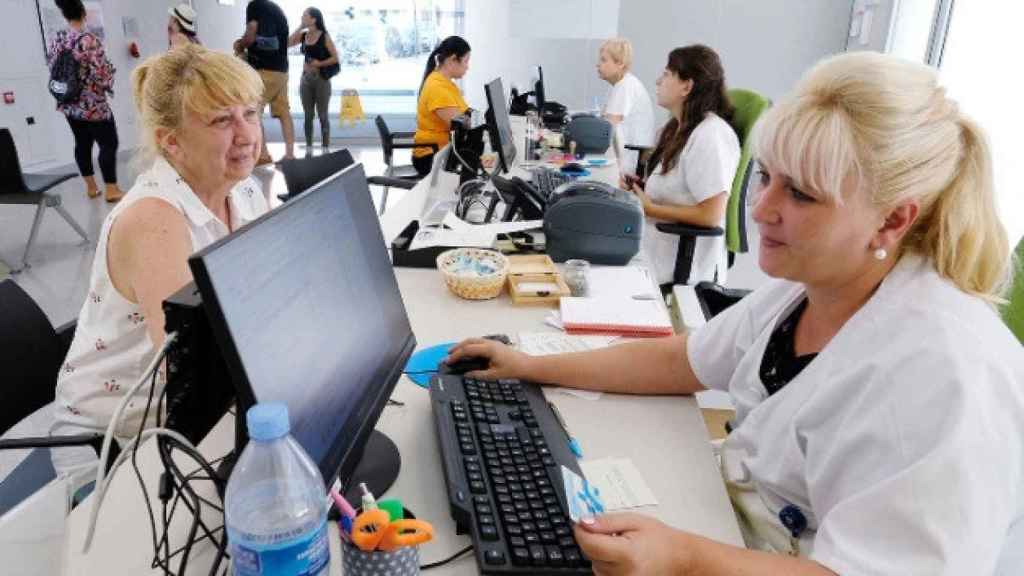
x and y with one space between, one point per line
619 482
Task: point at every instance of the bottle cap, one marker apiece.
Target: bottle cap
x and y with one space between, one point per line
267 421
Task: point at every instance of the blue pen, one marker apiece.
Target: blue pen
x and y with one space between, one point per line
574 445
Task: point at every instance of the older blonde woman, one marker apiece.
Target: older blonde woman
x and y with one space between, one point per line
200 113
629 105
880 399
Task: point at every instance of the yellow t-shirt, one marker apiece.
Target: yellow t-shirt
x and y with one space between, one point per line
437 92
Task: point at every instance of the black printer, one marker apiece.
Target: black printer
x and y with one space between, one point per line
593 221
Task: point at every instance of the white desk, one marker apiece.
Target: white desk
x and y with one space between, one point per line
665 438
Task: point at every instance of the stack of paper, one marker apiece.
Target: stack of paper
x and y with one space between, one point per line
615 315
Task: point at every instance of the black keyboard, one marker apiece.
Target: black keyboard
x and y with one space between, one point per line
502 450
546 180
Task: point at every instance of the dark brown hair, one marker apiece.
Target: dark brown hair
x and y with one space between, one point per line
71 9
702 65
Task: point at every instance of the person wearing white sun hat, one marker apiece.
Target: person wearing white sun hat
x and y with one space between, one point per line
182 26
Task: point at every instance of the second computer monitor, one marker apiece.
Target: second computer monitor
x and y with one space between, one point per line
306 310
498 124
538 90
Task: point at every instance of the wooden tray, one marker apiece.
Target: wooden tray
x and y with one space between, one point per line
534 279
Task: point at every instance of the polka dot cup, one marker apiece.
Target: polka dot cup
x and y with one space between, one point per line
404 561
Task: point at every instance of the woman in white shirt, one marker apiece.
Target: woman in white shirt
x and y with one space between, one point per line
691 169
200 112
628 108
880 399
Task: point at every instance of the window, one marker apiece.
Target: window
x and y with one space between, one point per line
980 67
382 47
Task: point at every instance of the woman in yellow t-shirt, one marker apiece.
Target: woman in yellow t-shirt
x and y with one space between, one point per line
440 99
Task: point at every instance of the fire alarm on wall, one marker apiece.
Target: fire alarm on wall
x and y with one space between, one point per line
8 97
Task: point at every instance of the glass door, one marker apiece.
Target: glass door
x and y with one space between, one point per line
383 47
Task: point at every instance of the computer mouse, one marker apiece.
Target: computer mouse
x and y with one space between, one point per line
473 363
573 167
469 364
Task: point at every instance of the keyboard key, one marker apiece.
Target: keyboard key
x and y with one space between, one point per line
548 537
538 555
494 557
478 487
555 557
520 541
572 556
520 556
486 519
489 532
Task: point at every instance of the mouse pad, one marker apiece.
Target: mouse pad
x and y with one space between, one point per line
422 365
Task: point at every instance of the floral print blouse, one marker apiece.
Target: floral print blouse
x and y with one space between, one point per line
97 75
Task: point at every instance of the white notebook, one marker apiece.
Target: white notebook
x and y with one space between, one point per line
615 315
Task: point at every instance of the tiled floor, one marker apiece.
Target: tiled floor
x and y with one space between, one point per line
58 278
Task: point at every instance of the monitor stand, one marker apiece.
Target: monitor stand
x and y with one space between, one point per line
378 468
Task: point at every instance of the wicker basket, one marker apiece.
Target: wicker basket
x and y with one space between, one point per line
453 265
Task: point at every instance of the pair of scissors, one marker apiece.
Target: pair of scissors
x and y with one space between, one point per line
374 530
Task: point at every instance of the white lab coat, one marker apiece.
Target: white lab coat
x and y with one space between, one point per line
630 100
902 442
706 168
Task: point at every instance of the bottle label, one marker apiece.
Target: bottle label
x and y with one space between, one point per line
306 555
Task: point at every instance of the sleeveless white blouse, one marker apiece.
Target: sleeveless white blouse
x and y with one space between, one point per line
111 347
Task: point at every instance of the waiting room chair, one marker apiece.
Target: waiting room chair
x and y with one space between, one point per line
17 187
31 353
391 141
301 174
748 106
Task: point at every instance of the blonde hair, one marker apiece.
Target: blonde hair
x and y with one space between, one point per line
193 78
619 50
887 124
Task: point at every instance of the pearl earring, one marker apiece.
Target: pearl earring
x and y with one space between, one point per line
880 254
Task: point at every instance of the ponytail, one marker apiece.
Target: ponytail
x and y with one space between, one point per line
888 122
962 233
450 46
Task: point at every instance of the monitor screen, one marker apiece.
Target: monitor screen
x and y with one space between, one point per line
498 124
538 89
306 310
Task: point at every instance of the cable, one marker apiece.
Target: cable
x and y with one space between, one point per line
101 489
447 560
115 421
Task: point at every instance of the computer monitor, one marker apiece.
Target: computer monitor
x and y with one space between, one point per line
498 125
306 310
538 90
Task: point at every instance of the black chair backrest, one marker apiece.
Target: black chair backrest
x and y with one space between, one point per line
301 174
387 141
11 178
31 355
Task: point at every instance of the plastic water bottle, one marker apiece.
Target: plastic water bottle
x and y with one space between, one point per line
275 502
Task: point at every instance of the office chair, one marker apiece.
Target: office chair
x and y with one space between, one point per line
16 187
301 174
1013 311
748 106
390 141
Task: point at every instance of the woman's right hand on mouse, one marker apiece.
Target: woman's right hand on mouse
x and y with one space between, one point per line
504 361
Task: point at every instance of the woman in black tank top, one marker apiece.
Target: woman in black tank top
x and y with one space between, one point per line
321 63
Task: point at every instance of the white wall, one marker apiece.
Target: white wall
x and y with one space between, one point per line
26 73
570 75
765 45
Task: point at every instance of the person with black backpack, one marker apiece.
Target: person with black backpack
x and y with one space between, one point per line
265 43
81 78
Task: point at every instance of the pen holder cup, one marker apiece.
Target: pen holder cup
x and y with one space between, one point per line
400 562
